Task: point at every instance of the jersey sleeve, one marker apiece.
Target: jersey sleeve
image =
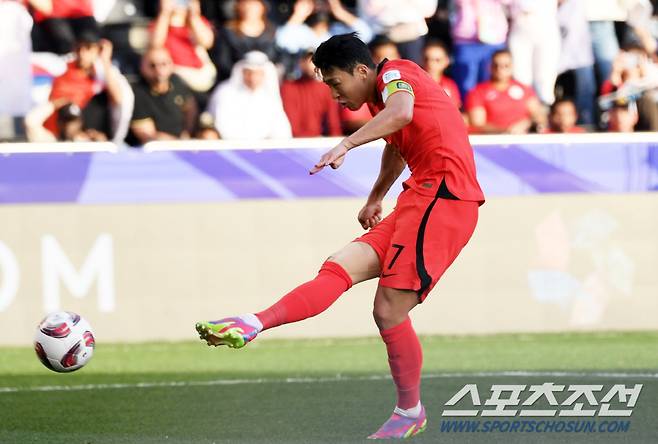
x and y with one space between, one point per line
391 81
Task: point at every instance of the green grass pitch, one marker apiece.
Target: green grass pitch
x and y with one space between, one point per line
304 391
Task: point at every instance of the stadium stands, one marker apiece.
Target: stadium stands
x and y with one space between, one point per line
206 38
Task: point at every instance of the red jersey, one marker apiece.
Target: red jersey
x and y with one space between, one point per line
435 143
503 108
67 9
77 86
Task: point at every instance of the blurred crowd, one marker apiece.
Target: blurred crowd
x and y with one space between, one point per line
135 71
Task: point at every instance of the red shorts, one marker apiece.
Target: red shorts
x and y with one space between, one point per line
419 240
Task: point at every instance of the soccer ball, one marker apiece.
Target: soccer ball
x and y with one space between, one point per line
64 341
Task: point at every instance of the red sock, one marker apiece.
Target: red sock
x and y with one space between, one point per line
405 357
308 299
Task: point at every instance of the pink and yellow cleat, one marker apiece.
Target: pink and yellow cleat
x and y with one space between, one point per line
233 332
401 427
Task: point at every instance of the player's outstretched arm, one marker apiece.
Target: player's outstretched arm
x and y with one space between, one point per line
391 167
398 112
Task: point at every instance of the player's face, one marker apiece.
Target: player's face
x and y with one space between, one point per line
349 90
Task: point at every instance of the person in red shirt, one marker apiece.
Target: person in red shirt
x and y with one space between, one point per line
308 104
409 249
90 82
436 60
59 23
188 36
503 105
563 118
634 71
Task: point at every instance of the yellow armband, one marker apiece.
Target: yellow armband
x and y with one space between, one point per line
395 86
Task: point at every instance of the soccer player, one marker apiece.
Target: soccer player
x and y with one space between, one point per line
412 247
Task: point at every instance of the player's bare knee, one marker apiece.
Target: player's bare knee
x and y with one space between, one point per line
357 260
392 306
384 310
383 315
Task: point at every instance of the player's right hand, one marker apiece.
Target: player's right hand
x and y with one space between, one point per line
334 158
370 215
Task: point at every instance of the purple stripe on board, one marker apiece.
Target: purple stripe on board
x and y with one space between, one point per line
350 175
295 177
228 175
541 175
26 178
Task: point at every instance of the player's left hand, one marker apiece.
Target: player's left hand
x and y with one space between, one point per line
334 158
370 215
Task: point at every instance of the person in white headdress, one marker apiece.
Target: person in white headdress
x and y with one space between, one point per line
248 104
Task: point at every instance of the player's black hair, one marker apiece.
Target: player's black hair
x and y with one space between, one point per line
344 52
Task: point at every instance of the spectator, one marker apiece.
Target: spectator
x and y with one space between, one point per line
639 21
310 24
479 28
534 41
402 21
248 104
563 118
93 85
436 60
576 57
59 23
622 117
248 31
601 15
634 76
308 103
503 105
165 108
15 75
70 124
188 36
381 47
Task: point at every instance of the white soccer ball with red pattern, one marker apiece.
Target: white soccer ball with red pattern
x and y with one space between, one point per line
64 341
